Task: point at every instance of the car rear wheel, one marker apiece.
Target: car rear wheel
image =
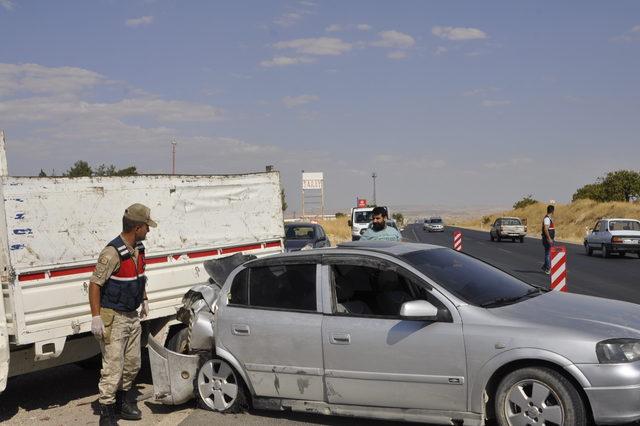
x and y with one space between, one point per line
498 237
587 249
605 251
538 395
220 388
522 239
621 253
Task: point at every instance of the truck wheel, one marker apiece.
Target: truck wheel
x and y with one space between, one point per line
605 251
499 238
491 237
621 253
522 239
220 388
587 249
538 395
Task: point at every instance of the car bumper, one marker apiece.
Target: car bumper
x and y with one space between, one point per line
624 247
615 392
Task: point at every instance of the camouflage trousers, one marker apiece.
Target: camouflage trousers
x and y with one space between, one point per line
120 348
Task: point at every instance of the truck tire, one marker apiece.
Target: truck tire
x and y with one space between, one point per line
538 395
491 237
521 239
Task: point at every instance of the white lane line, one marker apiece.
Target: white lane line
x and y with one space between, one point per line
506 251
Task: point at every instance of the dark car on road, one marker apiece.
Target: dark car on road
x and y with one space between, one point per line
304 235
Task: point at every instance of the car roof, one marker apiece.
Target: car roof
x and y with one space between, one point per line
509 217
618 218
301 224
390 248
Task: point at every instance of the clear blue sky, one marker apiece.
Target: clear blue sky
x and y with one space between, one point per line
453 104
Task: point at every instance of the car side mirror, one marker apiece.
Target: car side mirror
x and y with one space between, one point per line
419 309
350 223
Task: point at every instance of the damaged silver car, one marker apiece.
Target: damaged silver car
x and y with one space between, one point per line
400 331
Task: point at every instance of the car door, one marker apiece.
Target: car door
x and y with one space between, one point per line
374 357
597 234
270 320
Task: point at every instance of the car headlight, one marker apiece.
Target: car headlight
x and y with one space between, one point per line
614 351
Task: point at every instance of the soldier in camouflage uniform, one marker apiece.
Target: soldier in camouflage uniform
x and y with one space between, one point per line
117 290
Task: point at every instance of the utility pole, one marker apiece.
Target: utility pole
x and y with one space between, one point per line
173 156
374 176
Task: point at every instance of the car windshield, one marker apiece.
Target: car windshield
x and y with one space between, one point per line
364 217
511 222
436 220
624 225
470 279
299 232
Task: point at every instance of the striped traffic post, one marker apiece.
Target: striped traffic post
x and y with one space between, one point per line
457 241
558 268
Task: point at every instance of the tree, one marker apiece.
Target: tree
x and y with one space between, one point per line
524 202
399 217
622 185
127 171
282 200
42 173
591 191
104 170
79 168
340 215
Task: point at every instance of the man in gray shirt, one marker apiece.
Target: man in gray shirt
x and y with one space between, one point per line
379 229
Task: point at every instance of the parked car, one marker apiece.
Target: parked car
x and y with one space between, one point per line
433 224
401 331
620 236
304 235
508 228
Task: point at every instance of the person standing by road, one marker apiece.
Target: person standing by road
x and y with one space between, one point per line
117 289
379 229
548 237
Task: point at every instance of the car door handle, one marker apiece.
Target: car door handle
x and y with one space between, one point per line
240 330
340 339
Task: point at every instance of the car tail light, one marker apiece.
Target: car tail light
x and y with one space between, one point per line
615 240
525 228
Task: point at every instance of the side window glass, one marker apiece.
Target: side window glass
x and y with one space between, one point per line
291 287
239 294
369 291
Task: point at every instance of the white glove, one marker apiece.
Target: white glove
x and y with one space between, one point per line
97 326
144 309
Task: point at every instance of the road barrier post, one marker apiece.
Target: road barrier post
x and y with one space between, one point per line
559 268
457 241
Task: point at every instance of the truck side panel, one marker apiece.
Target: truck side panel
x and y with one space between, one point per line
57 227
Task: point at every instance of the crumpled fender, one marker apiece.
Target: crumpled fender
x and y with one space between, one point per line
173 374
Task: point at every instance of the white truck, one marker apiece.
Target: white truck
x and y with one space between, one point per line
52 230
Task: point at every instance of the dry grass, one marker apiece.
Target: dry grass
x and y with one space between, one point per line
571 220
338 230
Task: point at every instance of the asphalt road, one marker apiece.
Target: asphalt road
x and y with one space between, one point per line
613 278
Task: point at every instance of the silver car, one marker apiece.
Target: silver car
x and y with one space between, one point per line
401 331
620 236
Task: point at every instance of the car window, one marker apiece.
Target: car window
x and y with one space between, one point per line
374 291
290 287
470 279
596 226
299 232
512 222
320 232
436 220
624 225
363 217
497 223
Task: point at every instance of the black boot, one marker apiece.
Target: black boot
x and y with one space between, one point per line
125 409
108 415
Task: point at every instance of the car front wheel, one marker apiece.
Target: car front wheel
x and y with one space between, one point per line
587 249
220 388
538 395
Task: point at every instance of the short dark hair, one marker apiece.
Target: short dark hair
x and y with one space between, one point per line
379 211
550 208
129 225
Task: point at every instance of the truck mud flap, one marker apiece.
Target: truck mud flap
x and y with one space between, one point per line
173 374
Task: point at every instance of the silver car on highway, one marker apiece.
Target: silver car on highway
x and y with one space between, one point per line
619 236
400 331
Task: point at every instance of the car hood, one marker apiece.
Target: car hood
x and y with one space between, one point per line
292 245
581 314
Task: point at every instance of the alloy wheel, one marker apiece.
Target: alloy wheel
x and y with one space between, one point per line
531 402
217 385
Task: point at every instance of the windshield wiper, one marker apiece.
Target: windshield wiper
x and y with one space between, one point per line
501 301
